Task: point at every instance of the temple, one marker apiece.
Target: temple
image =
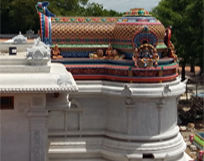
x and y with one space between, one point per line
108 93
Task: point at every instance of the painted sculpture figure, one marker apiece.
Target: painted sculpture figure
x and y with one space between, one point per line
96 55
167 36
110 53
148 56
56 53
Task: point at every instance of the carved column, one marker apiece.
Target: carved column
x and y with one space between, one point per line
38 129
129 107
160 105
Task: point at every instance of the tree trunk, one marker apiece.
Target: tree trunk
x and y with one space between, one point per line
192 67
201 67
183 72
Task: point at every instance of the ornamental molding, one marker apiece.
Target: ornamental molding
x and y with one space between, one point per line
166 90
37 101
64 80
126 91
39 90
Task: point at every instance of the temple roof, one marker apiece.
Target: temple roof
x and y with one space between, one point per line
82 31
33 72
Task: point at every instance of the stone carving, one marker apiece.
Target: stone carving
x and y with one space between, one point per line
37 101
128 101
126 91
22 106
36 146
166 90
39 54
161 102
75 104
19 39
160 105
64 80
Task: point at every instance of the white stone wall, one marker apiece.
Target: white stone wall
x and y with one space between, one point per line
15 130
19 48
118 123
18 127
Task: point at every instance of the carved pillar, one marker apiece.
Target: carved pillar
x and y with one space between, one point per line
38 129
129 107
80 120
159 108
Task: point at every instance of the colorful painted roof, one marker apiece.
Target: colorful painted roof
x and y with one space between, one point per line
137 12
88 33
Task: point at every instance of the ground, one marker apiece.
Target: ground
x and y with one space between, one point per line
185 107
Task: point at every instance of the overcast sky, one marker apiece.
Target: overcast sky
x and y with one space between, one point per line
126 5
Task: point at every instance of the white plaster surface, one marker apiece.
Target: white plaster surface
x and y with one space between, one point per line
15 129
120 123
23 130
4 47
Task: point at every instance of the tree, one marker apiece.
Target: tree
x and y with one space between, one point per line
95 9
20 15
187 34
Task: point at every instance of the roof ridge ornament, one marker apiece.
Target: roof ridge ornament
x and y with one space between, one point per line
39 54
19 39
42 8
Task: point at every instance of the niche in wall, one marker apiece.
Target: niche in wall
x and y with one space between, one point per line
6 103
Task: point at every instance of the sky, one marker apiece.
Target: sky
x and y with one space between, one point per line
126 5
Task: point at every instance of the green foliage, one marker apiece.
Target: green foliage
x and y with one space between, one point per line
95 9
18 15
21 15
186 17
